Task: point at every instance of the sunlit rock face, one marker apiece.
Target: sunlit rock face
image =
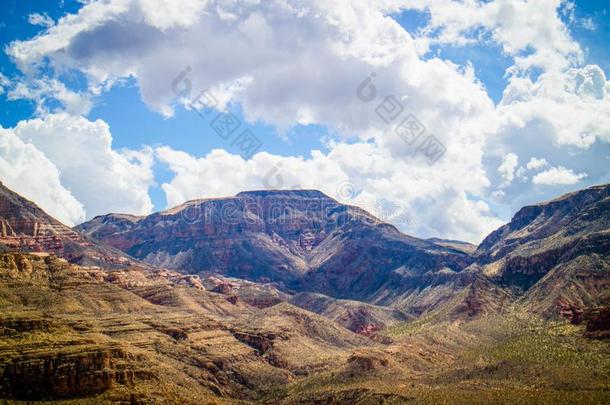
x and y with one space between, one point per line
555 253
27 228
301 238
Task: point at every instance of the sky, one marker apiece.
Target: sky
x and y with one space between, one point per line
442 117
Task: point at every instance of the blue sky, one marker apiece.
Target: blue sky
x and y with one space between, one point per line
133 124
292 84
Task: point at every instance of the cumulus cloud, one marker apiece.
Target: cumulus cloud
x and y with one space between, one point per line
558 120
558 176
27 171
101 178
575 105
536 163
287 63
507 168
531 32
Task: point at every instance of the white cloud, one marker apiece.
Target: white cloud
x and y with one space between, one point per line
286 64
588 24
531 32
26 170
558 176
42 20
536 163
507 168
41 91
102 179
575 104
560 120
4 83
568 9
289 62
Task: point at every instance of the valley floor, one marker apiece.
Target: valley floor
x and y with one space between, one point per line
496 359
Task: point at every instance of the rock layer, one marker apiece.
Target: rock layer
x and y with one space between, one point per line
25 227
301 239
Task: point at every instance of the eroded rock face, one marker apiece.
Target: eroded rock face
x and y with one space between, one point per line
571 216
598 322
37 375
25 227
556 254
570 311
301 239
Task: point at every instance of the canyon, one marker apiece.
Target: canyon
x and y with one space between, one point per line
293 297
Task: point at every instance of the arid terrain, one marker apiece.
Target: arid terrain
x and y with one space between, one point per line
291 297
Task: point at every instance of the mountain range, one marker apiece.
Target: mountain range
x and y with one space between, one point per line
290 296
304 241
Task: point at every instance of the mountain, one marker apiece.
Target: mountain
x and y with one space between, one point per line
465 247
302 239
26 227
73 333
551 257
133 333
556 254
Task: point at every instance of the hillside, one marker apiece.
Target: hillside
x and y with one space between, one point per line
431 334
556 254
302 239
25 227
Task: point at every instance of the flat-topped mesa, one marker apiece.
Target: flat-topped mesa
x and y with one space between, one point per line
276 235
290 214
293 215
307 194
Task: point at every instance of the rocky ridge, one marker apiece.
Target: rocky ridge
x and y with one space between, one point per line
25 227
301 239
144 334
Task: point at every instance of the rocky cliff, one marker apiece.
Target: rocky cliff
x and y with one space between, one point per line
25 227
302 239
554 254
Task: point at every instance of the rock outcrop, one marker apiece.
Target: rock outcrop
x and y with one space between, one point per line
41 373
301 239
598 322
555 255
25 227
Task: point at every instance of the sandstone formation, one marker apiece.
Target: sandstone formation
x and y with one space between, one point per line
25 227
